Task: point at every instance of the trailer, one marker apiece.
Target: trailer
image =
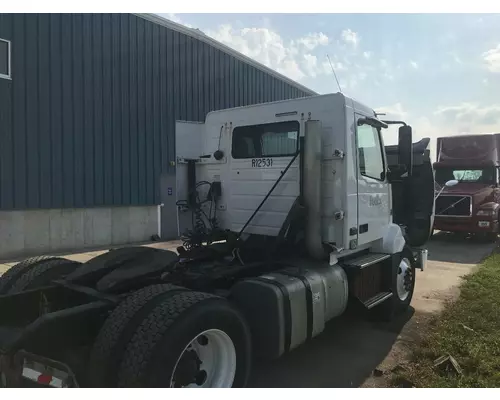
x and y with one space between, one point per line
288 212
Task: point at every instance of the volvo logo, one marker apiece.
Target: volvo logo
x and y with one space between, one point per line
375 200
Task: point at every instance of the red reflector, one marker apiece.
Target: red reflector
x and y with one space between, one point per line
44 379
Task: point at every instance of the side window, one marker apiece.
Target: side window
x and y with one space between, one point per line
371 161
5 59
279 139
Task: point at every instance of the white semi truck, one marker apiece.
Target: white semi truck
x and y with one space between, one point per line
288 211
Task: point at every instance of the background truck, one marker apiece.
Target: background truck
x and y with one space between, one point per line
472 204
289 211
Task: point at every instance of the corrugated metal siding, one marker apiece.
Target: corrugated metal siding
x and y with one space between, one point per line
89 116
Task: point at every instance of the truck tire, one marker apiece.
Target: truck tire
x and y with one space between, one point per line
191 339
8 279
403 273
43 273
117 331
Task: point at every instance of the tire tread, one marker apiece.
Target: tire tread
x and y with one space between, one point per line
108 348
26 279
13 273
150 332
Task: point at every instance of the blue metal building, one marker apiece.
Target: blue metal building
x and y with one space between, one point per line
88 105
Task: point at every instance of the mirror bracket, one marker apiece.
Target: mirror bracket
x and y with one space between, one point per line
372 121
394 122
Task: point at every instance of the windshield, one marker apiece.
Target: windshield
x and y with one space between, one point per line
486 175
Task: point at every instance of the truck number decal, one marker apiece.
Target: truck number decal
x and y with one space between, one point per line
262 162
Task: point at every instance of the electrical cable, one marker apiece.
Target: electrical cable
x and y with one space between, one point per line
202 224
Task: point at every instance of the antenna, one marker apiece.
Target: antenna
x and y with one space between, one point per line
334 74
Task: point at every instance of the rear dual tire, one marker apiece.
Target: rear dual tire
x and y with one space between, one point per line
165 336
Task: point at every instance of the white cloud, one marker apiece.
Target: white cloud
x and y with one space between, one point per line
337 65
291 69
470 117
311 64
457 59
492 59
292 58
175 18
394 111
297 58
388 76
414 64
350 37
313 40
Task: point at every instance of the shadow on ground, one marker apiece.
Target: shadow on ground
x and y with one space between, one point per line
452 248
343 356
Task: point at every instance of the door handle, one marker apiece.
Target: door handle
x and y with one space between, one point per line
363 228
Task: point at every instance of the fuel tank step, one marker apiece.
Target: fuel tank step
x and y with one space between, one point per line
377 299
366 260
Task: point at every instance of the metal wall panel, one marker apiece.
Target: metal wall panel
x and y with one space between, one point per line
88 118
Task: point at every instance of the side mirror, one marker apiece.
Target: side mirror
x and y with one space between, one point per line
449 183
405 148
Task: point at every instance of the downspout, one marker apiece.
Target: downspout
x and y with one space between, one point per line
159 218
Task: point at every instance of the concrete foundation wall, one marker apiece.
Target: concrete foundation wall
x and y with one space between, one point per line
37 232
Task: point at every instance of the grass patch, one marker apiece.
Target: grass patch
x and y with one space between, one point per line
469 330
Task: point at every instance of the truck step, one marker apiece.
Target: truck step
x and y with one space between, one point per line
366 260
377 299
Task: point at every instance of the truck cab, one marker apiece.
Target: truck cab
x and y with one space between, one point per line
471 205
361 191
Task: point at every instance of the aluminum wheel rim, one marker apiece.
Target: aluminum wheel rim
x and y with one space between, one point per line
403 282
217 357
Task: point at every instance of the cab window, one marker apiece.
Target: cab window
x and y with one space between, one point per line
278 139
371 160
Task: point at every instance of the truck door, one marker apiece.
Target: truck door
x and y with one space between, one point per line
374 202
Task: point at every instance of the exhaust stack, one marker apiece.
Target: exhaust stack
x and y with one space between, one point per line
312 189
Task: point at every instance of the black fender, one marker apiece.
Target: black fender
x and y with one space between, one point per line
135 261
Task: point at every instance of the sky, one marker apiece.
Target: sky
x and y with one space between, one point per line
438 72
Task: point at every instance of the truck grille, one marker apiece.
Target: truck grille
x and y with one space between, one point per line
453 206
